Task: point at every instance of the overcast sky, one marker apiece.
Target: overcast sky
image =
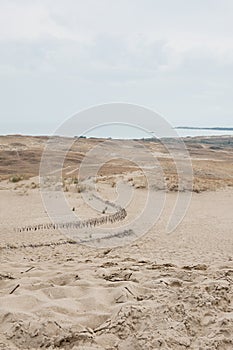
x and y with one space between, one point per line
60 56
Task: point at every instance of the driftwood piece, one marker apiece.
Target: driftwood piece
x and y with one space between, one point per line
14 289
30 268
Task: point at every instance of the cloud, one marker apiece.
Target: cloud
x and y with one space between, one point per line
27 21
120 35
176 55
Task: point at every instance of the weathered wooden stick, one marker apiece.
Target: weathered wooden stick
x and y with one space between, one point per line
30 268
14 289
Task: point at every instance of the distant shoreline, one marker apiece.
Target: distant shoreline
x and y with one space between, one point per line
203 128
41 136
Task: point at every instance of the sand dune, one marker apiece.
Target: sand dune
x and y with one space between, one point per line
160 291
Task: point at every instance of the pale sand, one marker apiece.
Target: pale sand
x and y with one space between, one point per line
161 292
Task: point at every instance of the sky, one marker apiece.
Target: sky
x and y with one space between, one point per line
58 57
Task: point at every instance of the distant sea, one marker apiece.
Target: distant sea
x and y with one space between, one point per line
115 131
134 133
192 132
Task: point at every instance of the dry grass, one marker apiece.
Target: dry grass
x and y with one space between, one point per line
212 160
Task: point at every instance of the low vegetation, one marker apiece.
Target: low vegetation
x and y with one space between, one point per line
16 178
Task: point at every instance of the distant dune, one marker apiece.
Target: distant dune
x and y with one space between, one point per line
212 159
